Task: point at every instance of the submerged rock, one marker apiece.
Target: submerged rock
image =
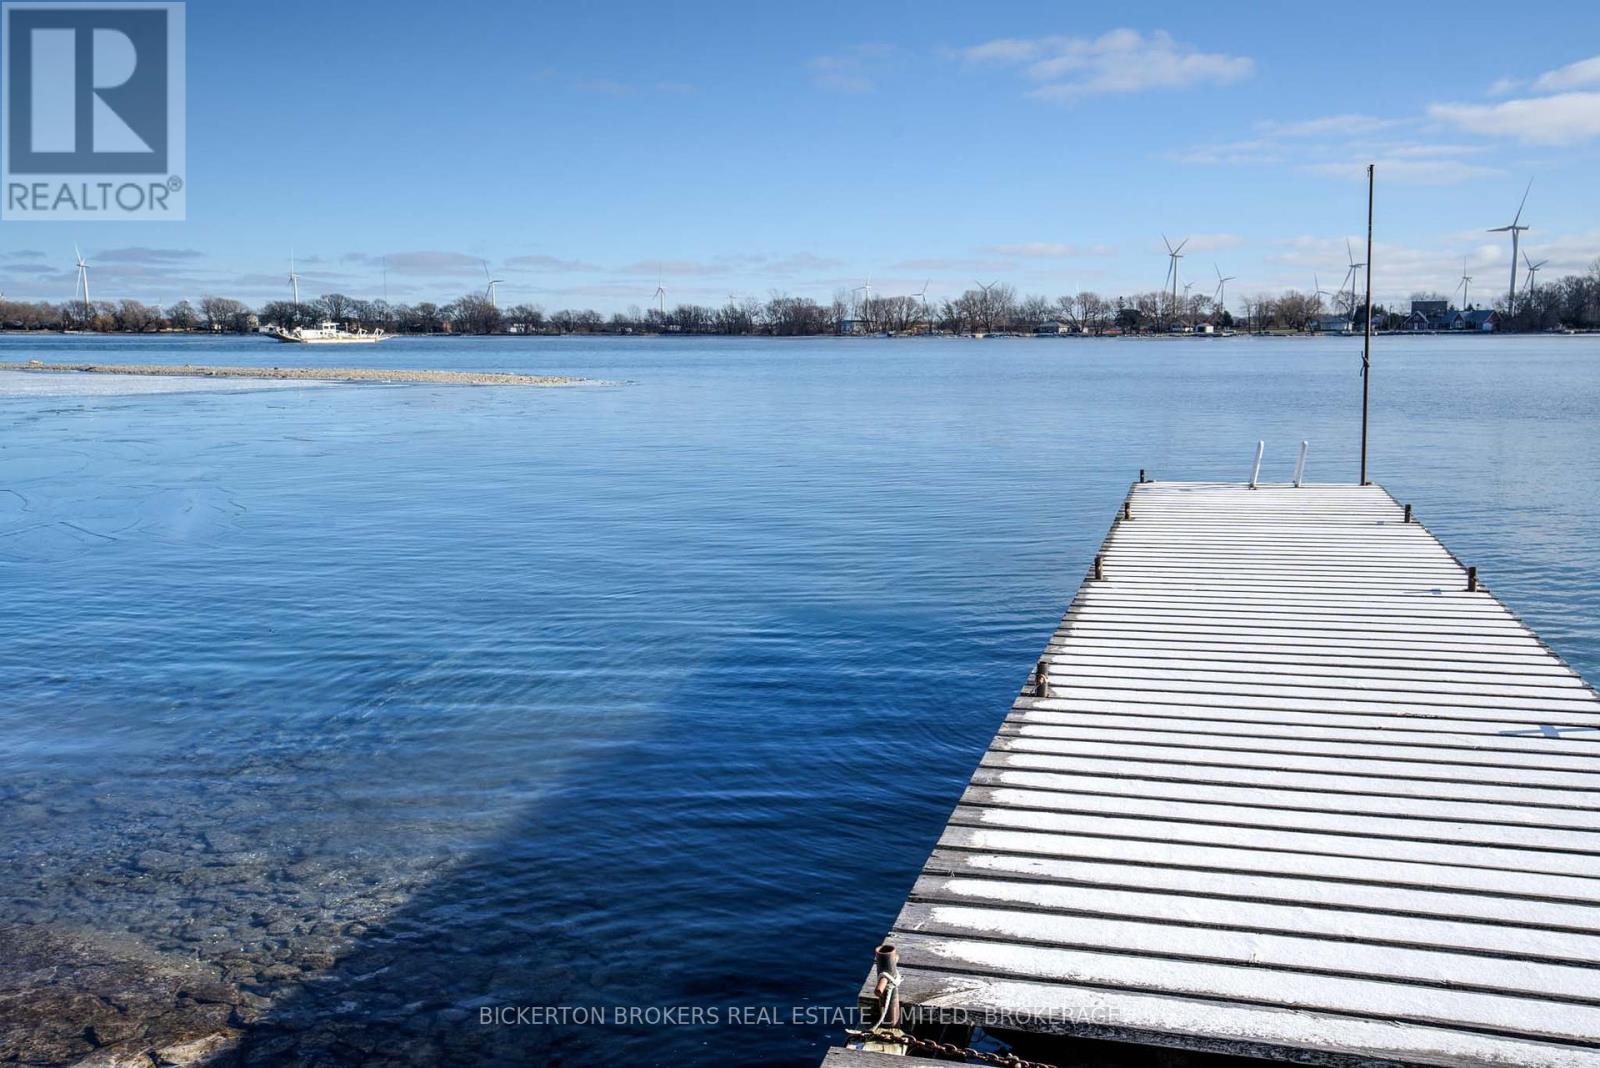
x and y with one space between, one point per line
159 860
216 1048
225 842
84 998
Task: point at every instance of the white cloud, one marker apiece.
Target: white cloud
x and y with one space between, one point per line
850 71
1232 153
1572 76
677 268
952 264
1408 164
1405 171
1050 250
1341 146
1564 119
538 262
1004 50
1210 242
1122 61
420 263
1584 72
1429 151
1327 125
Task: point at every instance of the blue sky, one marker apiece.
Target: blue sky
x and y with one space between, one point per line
742 148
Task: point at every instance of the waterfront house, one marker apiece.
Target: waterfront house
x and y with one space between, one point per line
1051 328
1476 320
1430 315
1329 324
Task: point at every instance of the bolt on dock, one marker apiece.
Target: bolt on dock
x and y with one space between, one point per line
1287 783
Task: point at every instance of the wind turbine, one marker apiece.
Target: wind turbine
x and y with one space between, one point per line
1516 234
660 297
1466 280
865 289
1533 273
83 281
1317 293
922 295
493 283
1174 255
1354 268
294 280
988 310
1220 296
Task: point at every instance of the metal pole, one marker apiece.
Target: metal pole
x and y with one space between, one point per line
1366 344
887 988
1300 464
1255 472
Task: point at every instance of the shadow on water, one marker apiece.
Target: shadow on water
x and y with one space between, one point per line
716 871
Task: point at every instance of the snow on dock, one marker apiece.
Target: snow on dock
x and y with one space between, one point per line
1295 787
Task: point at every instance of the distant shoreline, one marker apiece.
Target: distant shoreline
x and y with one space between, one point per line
166 335
308 374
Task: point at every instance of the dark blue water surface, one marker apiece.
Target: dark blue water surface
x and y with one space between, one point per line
392 702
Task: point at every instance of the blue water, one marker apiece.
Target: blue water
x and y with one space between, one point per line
390 703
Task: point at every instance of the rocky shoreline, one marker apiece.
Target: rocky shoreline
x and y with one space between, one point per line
82 999
210 941
307 374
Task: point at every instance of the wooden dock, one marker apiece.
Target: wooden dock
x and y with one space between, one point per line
1294 792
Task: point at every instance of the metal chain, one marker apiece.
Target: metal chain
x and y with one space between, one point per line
946 1049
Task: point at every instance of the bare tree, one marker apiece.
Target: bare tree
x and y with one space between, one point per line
182 316
224 313
1035 310
335 307
136 317
474 314
527 317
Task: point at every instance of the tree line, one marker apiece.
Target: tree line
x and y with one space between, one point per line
1569 302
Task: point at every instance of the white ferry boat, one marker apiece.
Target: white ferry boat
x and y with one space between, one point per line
326 333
